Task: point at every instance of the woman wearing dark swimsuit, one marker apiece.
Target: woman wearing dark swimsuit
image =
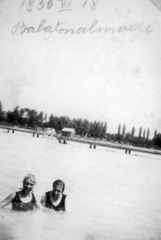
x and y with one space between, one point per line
24 199
55 199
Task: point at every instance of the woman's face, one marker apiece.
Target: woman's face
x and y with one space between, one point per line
28 186
57 191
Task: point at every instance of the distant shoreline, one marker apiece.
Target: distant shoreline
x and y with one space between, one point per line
93 142
115 145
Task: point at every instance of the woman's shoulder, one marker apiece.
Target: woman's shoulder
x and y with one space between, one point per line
48 192
8 200
34 198
13 195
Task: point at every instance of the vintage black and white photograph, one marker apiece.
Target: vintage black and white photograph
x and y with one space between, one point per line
80 119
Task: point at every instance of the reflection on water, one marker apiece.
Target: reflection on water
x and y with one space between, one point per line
111 195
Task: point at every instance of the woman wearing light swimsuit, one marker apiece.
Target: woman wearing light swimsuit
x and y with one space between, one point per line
24 199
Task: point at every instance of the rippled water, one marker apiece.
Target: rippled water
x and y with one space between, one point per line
112 195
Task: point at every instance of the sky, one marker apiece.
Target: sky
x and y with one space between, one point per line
93 59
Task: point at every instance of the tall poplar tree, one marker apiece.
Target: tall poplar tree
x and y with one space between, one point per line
148 133
124 130
133 131
1 112
155 133
140 131
119 129
144 133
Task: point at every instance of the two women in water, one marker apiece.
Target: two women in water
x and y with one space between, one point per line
25 199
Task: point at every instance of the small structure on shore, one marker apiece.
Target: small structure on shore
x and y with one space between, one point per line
49 132
68 132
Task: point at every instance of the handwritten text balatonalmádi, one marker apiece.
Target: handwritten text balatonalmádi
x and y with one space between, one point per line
60 28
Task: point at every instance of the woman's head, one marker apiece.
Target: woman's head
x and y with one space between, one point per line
29 182
30 177
59 185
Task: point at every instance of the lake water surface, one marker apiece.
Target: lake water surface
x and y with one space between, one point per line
112 195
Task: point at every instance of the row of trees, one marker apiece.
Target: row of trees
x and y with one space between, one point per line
26 117
29 118
82 127
142 140
145 133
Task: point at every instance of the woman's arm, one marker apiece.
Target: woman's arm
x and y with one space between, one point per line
67 209
7 200
43 200
37 205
